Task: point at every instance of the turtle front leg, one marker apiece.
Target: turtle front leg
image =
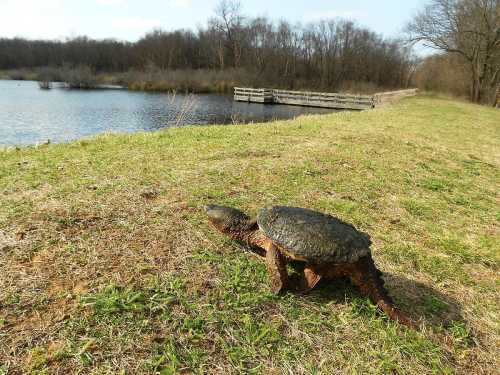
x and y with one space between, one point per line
276 266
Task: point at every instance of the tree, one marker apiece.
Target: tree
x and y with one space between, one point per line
328 55
469 28
229 21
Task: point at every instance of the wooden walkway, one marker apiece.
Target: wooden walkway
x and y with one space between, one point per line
253 95
317 99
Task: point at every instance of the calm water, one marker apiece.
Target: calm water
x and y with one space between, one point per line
29 115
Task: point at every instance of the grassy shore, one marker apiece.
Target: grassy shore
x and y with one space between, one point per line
192 81
188 80
109 266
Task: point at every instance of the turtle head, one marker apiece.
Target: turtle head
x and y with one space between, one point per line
230 221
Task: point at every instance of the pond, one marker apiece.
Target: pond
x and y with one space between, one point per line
29 115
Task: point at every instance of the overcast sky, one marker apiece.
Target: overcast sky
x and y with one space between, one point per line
130 19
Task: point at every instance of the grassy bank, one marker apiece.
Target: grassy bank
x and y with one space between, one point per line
190 80
19 74
155 80
108 263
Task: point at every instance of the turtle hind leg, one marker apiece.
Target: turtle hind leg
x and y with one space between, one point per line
276 266
366 277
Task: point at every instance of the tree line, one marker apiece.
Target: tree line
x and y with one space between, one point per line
330 55
326 54
467 33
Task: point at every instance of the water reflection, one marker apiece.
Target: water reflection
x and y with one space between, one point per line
29 115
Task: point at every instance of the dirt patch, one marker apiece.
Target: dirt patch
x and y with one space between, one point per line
7 240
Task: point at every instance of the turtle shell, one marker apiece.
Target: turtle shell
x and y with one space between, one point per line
313 236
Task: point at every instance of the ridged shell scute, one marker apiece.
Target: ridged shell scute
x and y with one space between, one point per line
312 235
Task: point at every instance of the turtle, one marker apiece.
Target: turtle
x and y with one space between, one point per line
324 246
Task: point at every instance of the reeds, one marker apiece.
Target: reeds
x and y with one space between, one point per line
81 77
186 81
196 81
45 85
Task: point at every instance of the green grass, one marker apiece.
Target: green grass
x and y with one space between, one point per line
109 266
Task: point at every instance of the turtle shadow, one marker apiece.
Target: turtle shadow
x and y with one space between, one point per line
418 300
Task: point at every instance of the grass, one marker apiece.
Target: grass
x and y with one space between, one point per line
109 266
181 80
154 80
19 74
188 80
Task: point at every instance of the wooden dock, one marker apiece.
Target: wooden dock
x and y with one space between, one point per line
253 95
317 99
323 100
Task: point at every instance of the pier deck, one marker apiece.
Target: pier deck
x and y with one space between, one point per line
316 99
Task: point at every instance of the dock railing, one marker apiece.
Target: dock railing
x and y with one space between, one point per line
318 99
323 99
253 95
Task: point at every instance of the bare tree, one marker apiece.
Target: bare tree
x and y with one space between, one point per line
327 55
229 21
469 28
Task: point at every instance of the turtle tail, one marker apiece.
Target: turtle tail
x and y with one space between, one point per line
368 279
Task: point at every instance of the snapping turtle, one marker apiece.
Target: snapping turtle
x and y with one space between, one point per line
326 246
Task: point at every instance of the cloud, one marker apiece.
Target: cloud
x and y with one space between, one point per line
58 19
110 2
33 19
134 23
328 14
180 3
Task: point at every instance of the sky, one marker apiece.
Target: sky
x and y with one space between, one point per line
130 19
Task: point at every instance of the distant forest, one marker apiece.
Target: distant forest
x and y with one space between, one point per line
330 54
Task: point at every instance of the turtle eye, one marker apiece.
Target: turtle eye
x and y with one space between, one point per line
209 208
217 215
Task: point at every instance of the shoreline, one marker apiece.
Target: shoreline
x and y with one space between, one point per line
196 81
207 110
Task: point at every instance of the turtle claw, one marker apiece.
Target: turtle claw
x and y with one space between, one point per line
277 287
